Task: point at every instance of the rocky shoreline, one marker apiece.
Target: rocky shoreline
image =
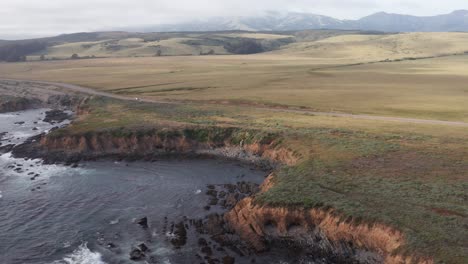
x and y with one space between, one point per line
248 228
320 235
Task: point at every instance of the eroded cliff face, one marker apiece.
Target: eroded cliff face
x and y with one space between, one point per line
322 232
226 144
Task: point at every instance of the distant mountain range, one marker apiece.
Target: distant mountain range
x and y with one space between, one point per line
274 21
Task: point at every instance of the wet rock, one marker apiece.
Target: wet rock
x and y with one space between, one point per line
231 188
143 247
222 194
202 242
210 187
137 255
6 148
207 208
143 222
207 251
228 260
222 203
74 165
56 116
19 123
180 234
213 201
2 134
213 193
153 260
35 129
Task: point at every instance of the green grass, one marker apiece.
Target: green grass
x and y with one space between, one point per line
413 180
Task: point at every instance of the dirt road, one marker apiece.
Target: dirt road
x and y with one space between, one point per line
85 90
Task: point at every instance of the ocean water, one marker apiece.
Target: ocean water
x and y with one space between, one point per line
58 214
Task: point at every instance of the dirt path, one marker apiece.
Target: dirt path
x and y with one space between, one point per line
81 89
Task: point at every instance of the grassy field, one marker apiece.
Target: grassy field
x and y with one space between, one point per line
413 177
410 176
364 48
429 89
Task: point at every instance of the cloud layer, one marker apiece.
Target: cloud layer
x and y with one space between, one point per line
33 18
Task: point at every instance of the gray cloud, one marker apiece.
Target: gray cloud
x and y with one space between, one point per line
32 18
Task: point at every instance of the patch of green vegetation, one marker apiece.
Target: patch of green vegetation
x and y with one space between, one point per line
411 181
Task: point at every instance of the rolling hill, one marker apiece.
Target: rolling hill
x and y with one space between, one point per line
274 21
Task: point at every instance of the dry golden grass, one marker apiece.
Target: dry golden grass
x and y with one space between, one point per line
365 48
408 176
429 89
176 45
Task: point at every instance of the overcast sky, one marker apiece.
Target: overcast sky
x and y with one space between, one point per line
33 18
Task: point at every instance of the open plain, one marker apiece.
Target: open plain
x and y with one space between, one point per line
342 105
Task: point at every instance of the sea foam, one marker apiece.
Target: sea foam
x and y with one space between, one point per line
82 255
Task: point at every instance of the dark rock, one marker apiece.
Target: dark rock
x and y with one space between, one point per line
207 251
56 116
229 260
214 224
74 165
143 247
153 260
180 235
222 203
213 201
213 193
19 123
137 255
210 187
222 194
202 242
6 148
35 129
231 200
231 188
207 208
143 222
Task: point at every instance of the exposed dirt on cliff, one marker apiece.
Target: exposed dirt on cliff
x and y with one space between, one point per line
321 231
224 143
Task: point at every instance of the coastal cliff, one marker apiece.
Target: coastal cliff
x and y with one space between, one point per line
231 143
322 232
318 231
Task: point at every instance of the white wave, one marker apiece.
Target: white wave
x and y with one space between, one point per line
1 196
66 244
34 165
114 222
82 255
198 191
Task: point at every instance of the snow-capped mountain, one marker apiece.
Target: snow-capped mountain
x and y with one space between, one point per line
270 21
275 21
